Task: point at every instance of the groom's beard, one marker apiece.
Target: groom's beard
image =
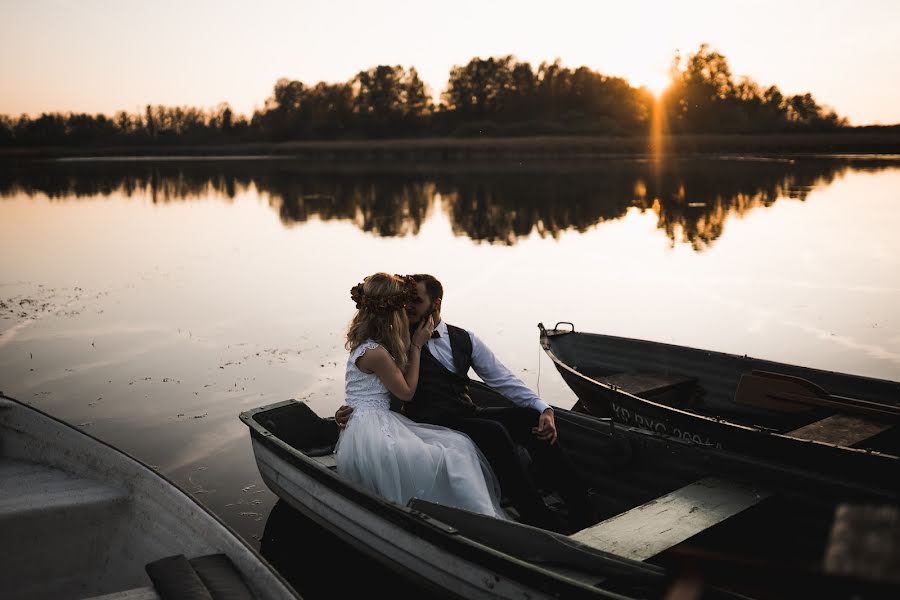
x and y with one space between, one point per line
413 325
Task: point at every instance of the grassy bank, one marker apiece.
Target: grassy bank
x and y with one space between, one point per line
523 148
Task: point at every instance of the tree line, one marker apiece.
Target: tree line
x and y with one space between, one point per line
496 96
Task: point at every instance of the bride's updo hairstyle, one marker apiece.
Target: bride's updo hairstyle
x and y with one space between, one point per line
380 316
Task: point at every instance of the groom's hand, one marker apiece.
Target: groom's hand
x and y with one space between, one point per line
342 416
546 428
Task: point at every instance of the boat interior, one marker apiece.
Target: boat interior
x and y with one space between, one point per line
681 512
77 522
806 403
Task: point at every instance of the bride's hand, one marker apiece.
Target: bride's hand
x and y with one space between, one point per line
423 332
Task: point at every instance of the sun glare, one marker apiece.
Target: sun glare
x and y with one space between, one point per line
657 84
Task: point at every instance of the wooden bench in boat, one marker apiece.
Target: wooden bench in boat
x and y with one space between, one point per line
651 528
647 384
210 576
841 430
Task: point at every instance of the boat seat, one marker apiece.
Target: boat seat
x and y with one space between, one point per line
55 521
647 385
143 593
841 430
203 578
34 489
651 528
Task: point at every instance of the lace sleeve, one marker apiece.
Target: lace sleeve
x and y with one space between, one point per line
361 349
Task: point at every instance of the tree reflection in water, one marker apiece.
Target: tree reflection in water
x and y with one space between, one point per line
692 198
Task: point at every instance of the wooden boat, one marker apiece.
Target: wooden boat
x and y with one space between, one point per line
81 519
675 514
762 408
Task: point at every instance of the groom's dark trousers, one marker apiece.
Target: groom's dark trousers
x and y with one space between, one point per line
496 432
442 398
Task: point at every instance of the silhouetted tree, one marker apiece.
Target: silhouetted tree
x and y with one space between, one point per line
329 110
378 102
479 88
555 98
7 130
150 122
281 118
417 106
389 100
703 97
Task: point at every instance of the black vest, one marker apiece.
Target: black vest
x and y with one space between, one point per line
442 396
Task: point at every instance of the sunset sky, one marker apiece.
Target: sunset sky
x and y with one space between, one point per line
108 55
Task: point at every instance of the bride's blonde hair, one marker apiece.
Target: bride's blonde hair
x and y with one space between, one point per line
380 315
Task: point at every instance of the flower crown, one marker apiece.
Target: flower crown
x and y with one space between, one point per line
385 304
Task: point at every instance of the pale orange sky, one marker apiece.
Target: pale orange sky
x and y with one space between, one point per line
106 55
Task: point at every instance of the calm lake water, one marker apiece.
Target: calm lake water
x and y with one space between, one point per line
150 302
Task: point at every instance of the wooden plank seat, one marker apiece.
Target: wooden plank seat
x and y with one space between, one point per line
201 578
647 384
651 528
841 430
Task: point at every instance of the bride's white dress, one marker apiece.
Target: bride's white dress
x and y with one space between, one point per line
399 459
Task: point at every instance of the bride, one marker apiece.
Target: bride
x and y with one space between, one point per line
386 452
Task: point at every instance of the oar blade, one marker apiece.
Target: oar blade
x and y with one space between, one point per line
763 392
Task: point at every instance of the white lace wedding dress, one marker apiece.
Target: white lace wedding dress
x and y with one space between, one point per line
399 459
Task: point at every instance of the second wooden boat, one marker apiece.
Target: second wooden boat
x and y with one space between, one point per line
842 424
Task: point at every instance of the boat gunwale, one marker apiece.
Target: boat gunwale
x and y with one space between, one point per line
551 333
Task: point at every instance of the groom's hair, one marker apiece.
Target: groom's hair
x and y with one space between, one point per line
432 285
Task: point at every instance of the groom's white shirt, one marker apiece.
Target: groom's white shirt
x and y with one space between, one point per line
486 365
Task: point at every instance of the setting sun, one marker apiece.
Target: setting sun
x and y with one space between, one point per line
656 84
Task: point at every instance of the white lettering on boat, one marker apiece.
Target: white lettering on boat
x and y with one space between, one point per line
625 416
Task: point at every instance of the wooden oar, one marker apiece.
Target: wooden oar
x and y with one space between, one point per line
787 393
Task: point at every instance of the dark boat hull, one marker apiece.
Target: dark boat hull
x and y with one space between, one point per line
588 361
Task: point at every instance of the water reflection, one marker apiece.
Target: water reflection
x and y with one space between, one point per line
692 198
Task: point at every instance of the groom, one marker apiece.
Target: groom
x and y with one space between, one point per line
442 398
